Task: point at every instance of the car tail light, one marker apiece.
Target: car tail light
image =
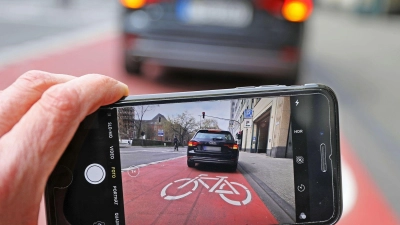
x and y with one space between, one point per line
290 54
272 6
129 40
133 4
137 4
297 10
232 146
193 143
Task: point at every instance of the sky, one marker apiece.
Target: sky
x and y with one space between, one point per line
219 108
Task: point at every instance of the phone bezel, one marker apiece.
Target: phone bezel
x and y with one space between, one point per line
260 91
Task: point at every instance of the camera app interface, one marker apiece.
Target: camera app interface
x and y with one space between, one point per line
211 162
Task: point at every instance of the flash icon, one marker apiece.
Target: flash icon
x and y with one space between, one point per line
297 102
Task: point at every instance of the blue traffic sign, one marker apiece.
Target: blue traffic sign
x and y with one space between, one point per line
248 114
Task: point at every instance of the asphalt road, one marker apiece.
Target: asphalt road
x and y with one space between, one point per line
132 156
356 56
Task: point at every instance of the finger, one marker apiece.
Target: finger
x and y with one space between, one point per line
16 100
29 152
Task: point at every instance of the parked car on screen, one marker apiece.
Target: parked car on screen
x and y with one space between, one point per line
213 146
252 37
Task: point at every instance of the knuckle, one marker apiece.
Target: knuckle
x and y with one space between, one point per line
61 103
33 79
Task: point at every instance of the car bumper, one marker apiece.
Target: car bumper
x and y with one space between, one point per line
200 157
215 58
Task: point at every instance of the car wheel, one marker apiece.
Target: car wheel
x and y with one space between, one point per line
234 167
190 164
131 65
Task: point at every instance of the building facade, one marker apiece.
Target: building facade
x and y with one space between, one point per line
153 126
126 119
266 130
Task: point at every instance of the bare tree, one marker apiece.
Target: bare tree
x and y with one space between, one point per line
139 113
150 132
209 124
181 125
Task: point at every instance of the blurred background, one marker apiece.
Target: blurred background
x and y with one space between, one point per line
159 46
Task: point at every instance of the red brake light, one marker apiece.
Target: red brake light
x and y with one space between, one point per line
129 40
297 10
232 146
193 143
214 130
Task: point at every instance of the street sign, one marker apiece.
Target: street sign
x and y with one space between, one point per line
248 123
248 114
160 133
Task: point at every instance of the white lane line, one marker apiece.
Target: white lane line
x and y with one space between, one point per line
152 163
133 151
349 186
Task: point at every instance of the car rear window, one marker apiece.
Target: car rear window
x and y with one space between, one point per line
215 136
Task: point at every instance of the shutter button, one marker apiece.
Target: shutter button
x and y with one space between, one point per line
95 173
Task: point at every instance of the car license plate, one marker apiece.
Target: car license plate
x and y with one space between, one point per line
211 148
220 13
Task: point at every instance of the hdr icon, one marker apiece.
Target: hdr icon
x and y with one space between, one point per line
298 131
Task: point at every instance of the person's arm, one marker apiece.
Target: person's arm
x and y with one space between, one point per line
39 114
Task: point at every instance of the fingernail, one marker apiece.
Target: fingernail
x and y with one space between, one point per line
125 87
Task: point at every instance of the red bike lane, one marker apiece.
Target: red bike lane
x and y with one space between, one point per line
151 197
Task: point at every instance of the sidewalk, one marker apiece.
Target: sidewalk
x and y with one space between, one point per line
274 177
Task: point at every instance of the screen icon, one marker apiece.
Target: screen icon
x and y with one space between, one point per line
133 171
301 188
299 159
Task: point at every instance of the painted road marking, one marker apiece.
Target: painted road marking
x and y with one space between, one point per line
172 193
363 203
133 151
151 163
221 182
349 187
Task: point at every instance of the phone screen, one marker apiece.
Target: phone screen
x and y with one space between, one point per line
249 160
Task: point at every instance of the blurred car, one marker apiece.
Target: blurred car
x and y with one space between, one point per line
213 146
255 37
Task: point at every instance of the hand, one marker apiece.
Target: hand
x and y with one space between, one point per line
39 114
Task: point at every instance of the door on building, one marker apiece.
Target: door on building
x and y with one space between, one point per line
262 131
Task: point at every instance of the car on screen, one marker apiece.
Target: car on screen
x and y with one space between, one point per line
213 146
249 37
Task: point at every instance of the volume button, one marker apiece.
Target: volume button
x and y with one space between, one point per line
323 157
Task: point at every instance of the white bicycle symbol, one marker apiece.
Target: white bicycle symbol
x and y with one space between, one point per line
221 183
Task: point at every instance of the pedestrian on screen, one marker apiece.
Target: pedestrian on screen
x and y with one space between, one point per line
176 143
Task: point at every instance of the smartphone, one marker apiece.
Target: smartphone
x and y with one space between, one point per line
252 155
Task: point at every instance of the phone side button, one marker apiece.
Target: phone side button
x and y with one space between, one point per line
323 157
